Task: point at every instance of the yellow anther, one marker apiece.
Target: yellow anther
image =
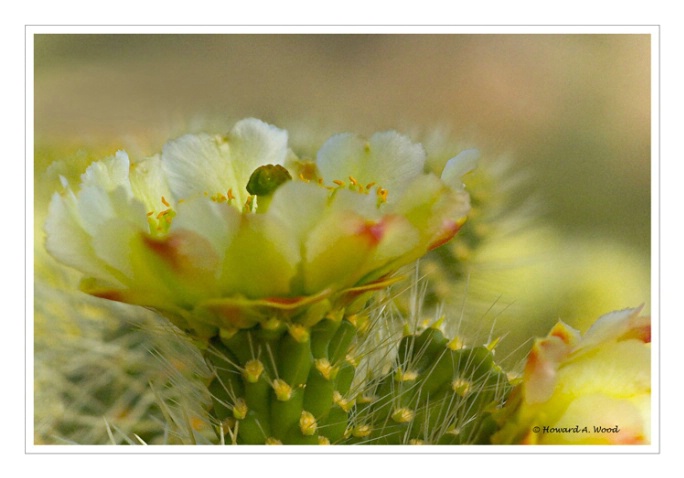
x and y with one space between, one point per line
338 182
230 194
150 213
249 203
353 180
370 185
323 440
382 194
165 202
162 214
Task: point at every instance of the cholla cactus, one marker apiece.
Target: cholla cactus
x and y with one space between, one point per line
279 272
266 260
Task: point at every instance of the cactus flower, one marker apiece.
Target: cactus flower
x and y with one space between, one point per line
225 232
591 389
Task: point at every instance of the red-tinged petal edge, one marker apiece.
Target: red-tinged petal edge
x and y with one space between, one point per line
449 230
90 287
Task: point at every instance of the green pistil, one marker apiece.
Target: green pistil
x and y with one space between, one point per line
266 179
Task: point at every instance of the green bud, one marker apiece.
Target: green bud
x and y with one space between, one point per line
266 179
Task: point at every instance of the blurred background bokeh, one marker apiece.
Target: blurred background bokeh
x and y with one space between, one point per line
570 114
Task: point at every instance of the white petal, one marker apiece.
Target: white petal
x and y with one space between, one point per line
610 327
69 243
458 166
96 206
112 244
388 159
217 222
149 184
254 143
298 206
109 173
199 164
196 164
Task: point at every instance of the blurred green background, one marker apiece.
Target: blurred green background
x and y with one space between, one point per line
573 111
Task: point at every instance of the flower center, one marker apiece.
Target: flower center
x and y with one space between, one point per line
161 222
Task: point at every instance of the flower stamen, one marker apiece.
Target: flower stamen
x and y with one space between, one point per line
382 195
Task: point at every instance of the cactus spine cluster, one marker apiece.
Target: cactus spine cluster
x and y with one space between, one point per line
277 383
293 384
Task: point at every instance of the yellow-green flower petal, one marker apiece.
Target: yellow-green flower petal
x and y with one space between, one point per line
593 390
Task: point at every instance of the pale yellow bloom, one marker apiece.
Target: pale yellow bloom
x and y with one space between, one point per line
180 232
594 389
